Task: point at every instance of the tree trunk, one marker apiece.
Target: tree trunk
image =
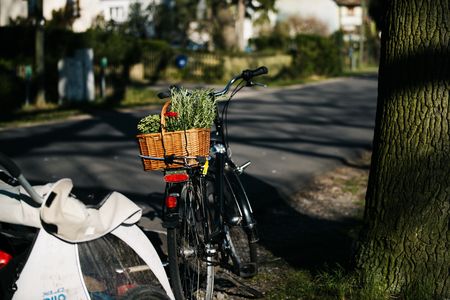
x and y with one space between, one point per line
40 54
240 19
404 244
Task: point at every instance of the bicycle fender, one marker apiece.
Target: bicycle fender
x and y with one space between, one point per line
243 202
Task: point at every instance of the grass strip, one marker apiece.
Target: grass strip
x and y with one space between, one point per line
33 114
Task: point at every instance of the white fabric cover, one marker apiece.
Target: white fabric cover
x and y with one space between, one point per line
53 269
76 223
13 208
51 272
137 240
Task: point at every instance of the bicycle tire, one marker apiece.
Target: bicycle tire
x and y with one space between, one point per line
243 252
192 277
145 292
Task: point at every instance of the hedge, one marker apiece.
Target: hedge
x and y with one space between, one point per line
311 54
316 55
19 45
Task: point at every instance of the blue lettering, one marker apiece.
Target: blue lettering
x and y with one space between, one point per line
59 294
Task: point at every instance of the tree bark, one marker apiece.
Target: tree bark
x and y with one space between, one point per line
40 54
404 245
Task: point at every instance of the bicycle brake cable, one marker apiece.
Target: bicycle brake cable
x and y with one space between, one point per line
236 89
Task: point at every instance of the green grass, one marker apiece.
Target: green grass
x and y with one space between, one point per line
280 82
301 284
139 96
33 114
330 284
355 186
361 71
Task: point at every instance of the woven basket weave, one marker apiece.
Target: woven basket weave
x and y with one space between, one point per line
192 142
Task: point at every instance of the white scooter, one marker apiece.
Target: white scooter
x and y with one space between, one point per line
79 252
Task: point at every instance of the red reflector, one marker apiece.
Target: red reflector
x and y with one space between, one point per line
171 201
4 259
122 289
176 177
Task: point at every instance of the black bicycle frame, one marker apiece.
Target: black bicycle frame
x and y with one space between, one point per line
226 173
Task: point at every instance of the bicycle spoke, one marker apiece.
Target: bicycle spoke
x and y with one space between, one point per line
192 274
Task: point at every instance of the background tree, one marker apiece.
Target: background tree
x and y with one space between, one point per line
172 20
61 18
66 16
138 21
404 246
225 16
306 25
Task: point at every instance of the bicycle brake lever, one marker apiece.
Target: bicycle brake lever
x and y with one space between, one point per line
251 83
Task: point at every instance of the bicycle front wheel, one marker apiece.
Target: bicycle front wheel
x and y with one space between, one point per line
241 244
190 263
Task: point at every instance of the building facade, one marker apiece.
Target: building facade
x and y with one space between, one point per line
88 10
351 16
12 9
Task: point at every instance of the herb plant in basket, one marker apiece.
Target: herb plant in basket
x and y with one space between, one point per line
182 128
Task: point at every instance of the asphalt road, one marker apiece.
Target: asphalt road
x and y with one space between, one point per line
289 134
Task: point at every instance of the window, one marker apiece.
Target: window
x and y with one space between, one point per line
351 11
117 13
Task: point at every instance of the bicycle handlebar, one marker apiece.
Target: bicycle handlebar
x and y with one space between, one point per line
249 74
246 75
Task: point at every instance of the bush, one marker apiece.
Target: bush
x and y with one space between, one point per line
311 54
315 55
272 42
17 43
12 88
116 47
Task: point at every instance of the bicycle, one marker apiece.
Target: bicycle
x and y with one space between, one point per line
206 210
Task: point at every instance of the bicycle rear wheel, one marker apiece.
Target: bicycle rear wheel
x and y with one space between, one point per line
190 266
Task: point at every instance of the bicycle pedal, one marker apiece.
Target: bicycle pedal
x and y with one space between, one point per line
216 236
248 270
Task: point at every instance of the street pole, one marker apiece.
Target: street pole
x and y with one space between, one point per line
362 35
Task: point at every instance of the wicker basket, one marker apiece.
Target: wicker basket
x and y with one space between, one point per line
192 142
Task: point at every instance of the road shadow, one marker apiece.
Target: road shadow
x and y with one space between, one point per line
302 241
100 153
